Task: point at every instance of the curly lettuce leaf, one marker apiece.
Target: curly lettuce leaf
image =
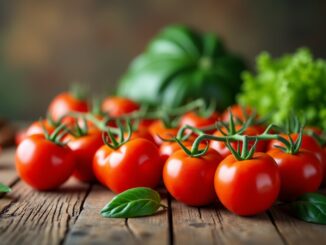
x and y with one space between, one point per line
292 83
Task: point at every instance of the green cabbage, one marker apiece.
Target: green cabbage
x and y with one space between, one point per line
293 83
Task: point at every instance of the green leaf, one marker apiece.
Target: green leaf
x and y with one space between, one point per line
4 188
135 202
310 207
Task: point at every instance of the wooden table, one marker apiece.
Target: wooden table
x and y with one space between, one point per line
70 215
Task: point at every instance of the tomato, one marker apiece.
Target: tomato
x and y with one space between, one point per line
20 136
237 112
146 123
141 132
308 143
197 121
118 106
43 164
84 149
191 179
247 187
221 147
64 103
134 164
168 148
158 129
100 163
37 128
300 173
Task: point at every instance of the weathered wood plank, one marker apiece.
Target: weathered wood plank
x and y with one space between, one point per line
7 166
215 225
8 174
91 228
295 231
34 217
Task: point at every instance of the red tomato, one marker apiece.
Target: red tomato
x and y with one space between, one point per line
308 143
221 147
136 163
37 128
42 164
64 103
118 106
146 123
191 179
247 187
100 163
300 173
20 136
141 132
237 112
168 148
84 149
157 130
197 121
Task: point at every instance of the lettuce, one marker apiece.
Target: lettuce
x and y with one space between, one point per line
293 83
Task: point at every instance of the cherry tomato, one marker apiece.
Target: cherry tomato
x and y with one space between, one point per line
191 179
300 173
221 147
84 149
197 121
157 130
43 164
20 136
168 148
100 163
247 187
134 164
143 133
118 106
308 143
37 128
146 123
64 103
237 112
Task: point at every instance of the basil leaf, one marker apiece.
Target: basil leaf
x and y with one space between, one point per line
310 207
135 202
4 188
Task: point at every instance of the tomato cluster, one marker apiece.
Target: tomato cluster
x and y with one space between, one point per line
197 168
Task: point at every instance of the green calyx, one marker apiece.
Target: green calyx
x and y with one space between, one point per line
110 139
194 152
57 135
79 130
246 152
291 146
206 112
229 128
78 91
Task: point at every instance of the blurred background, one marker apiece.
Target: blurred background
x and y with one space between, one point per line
46 45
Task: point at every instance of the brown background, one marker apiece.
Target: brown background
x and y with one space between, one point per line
45 45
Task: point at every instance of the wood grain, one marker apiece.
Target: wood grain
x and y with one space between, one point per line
34 217
215 225
8 174
70 215
295 231
92 228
